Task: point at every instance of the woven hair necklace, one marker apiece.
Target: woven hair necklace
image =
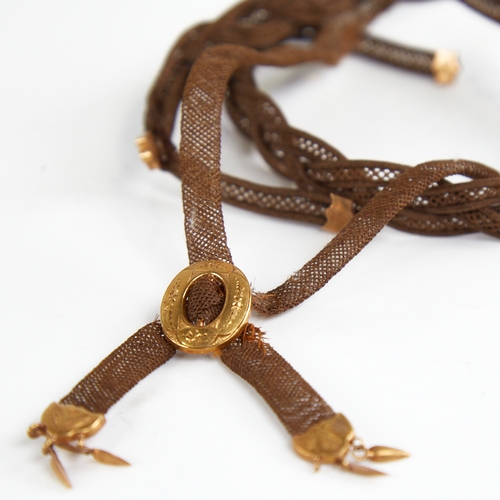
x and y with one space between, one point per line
206 307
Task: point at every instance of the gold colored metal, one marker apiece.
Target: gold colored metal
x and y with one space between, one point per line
104 457
204 339
326 442
61 424
56 466
361 469
445 66
338 214
358 450
385 454
331 440
65 423
147 150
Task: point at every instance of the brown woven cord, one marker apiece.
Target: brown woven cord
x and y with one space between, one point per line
362 229
203 97
399 193
318 168
490 8
115 375
396 55
204 300
293 153
212 64
294 401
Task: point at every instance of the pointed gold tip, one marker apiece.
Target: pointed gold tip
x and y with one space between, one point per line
107 458
58 469
362 470
385 454
445 66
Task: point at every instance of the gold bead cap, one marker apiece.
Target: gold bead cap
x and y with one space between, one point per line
445 66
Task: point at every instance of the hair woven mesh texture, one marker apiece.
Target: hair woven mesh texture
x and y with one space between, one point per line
318 168
115 375
399 191
297 155
294 401
204 300
362 228
403 57
490 8
417 200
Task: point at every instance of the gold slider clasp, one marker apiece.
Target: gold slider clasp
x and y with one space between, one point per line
330 441
62 424
211 338
147 150
445 66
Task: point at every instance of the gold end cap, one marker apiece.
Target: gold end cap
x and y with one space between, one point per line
445 66
64 422
326 442
332 440
147 150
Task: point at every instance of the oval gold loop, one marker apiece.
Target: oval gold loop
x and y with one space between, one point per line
233 317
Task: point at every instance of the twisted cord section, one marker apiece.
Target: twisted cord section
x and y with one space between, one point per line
364 226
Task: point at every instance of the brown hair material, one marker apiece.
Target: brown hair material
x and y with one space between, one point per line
115 375
315 167
212 65
294 401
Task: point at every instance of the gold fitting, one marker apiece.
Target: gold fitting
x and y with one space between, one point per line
204 339
330 441
147 150
62 424
65 423
338 214
326 442
385 454
445 66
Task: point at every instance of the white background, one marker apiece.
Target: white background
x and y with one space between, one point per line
404 341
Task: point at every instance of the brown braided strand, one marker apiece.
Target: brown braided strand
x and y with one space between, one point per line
203 67
363 228
202 105
318 168
401 56
284 203
490 8
295 154
115 375
200 160
294 401
212 64
398 192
